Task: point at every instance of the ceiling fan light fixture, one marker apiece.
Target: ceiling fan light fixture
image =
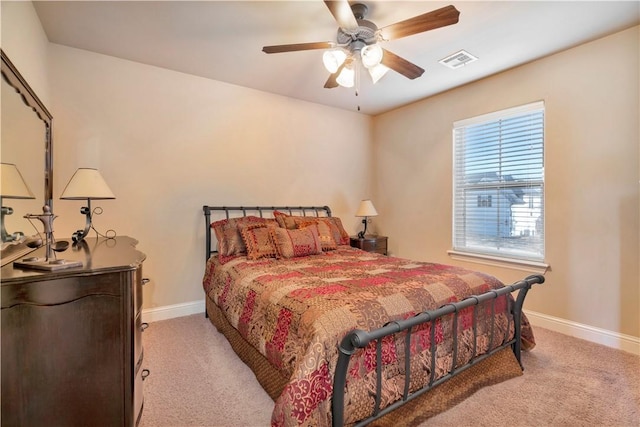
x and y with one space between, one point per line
357 41
333 59
347 76
371 55
377 72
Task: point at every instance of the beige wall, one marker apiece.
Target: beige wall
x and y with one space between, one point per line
591 151
168 143
25 43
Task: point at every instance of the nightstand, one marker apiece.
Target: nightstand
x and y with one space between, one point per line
370 243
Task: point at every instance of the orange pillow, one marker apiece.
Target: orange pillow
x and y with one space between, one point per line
285 220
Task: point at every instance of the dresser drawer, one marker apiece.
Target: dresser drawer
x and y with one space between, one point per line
59 291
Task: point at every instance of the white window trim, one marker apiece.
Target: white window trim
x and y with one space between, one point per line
481 258
513 263
508 112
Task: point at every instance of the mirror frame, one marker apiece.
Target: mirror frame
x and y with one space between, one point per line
13 77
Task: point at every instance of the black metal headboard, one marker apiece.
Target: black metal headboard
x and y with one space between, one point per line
239 211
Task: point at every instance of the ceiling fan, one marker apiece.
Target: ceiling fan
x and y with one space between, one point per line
358 40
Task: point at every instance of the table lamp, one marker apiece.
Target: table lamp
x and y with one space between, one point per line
86 183
365 210
12 186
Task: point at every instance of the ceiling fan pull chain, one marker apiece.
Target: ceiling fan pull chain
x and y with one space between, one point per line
357 76
357 85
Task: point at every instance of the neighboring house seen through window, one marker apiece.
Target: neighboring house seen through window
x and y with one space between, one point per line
498 207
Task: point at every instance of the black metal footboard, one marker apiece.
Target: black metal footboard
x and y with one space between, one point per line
359 339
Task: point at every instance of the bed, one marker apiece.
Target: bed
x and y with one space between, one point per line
338 336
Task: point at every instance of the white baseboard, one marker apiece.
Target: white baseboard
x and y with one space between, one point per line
617 340
585 332
170 311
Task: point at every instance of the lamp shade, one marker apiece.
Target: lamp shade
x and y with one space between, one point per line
333 59
12 185
347 76
87 183
366 209
377 72
371 55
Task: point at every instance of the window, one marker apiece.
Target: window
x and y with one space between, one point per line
498 208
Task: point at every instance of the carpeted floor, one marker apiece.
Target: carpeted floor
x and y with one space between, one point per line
197 380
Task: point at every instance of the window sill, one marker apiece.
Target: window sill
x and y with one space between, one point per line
516 264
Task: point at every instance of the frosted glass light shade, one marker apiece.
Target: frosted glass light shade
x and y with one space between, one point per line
377 72
347 77
12 185
371 55
87 183
366 208
333 59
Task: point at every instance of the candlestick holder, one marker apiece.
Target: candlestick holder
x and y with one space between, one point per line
50 262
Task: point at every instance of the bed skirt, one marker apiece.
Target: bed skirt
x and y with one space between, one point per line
498 368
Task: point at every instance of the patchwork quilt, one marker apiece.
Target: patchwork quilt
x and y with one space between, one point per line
295 312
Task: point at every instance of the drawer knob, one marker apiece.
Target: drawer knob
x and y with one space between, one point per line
144 374
145 280
144 326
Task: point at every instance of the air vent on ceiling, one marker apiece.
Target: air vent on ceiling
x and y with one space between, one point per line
458 59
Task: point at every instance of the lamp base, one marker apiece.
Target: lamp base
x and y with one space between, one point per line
6 237
35 263
81 234
363 232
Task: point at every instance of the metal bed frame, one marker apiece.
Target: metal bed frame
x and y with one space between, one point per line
357 339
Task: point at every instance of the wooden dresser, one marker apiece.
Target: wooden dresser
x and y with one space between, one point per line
71 339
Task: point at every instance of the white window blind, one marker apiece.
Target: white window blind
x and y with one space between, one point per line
498 207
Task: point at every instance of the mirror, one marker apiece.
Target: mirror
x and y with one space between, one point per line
26 141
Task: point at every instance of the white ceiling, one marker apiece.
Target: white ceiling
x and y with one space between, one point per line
222 40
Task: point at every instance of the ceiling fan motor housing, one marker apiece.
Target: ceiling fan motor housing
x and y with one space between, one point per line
365 34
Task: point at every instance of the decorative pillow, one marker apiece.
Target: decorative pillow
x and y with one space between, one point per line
296 243
290 222
340 235
285 220
258 241
327 240
229 239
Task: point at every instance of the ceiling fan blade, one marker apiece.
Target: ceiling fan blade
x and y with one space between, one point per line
296 47
442 17
342 13
401 65
332 81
